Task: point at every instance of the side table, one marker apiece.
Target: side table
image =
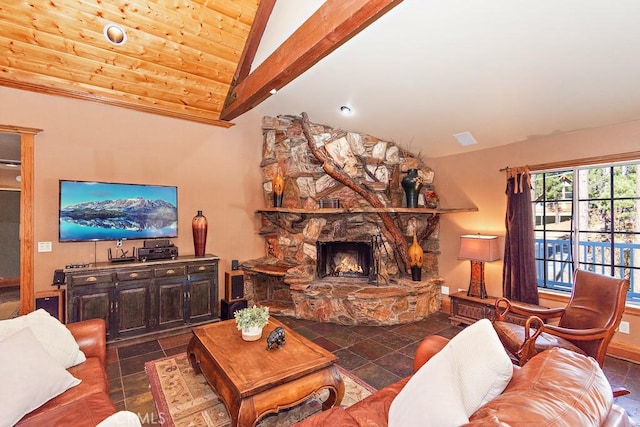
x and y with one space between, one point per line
467 310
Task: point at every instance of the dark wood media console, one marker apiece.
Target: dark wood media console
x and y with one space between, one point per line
136 298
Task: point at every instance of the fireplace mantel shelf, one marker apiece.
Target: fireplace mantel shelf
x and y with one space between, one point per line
338 211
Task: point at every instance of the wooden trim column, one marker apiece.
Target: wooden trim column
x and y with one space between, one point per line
27 139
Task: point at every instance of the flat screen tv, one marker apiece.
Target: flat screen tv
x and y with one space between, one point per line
91 211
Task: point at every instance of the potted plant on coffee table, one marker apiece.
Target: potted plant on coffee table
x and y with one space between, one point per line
251 320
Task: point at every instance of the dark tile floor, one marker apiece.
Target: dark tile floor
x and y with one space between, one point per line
378 355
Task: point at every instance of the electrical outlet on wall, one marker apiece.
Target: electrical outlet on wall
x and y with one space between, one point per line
624 327
444 290
44 246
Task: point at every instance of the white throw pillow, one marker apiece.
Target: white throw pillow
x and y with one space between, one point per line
469 371
56 339
29 377
121 419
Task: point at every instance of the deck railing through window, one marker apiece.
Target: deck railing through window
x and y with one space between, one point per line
555 255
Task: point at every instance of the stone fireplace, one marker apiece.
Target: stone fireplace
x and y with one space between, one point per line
340 264
345 260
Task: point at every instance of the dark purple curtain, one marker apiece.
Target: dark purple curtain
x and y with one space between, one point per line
519 271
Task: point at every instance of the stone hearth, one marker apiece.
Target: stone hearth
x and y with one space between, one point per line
354 302
287 278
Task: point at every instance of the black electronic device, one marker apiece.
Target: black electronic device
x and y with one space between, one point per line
227 308
52 302
233 285
234 264
123 257
145 211
157 243
58 277
168 252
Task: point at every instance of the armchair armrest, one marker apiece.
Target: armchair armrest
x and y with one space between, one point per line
575 334
91 336
427 349
504 306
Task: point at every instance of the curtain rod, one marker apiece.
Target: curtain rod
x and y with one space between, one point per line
610 158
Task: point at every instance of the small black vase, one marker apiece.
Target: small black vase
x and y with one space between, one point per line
416 273
412 185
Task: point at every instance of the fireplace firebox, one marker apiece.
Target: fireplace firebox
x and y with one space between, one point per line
345 260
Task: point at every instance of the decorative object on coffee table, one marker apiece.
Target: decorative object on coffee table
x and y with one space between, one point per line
277 185
276 337
478 249
251 320
199 226
412 183
415 258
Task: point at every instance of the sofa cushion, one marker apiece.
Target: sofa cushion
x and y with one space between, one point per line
30 376
94 381
469 371
556 387
121 419
85 412
52 335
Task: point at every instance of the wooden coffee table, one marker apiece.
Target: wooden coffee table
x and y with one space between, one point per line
253 381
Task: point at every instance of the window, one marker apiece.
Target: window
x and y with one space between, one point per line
589 216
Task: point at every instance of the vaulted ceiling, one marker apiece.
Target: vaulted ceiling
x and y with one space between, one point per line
182 58
413 71
178 59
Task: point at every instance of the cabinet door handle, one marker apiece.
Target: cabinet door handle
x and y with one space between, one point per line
111 307
171 272
133 275
92 279
116 306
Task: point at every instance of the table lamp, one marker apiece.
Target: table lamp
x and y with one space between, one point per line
479 249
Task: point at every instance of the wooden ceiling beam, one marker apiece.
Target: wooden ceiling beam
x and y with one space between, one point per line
253 41
333 24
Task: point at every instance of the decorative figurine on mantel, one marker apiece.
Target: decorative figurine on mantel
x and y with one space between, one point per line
415 258
277 185
276 337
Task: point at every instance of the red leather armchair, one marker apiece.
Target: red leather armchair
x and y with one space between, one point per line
586 325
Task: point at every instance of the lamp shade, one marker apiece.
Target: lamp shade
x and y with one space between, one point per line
477 247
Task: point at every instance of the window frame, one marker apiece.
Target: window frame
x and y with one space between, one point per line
556 258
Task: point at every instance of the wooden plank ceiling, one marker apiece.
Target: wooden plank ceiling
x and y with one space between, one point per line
179 59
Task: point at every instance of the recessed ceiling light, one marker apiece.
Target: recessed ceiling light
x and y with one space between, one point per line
345 110
115 34
465 138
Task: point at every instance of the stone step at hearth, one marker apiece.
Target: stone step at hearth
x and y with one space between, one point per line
281 308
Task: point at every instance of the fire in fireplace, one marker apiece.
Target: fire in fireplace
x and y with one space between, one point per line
345 259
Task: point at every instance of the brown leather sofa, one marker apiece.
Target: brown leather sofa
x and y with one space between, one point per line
88 403
556 387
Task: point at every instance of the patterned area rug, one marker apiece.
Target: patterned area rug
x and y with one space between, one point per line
185 399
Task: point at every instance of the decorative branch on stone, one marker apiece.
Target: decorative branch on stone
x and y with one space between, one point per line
366 169
432 224
392 232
